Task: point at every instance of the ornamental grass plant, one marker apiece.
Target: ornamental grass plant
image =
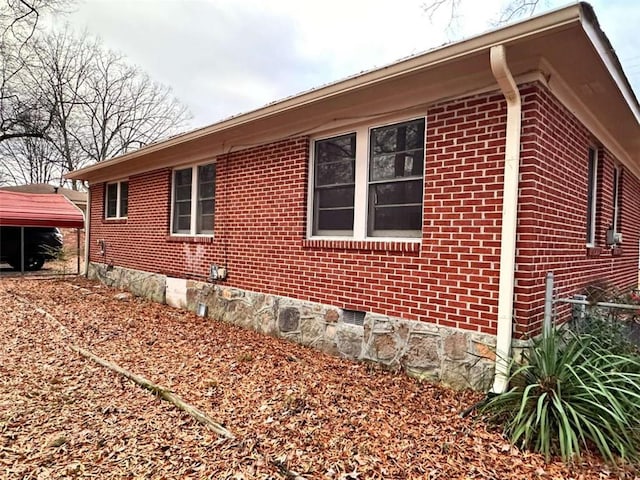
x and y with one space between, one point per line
574 391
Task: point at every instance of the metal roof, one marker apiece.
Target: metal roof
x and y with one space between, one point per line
40 188
38 210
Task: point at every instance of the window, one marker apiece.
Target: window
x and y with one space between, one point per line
396 168
334 176
369 183
617 183
592 185
117 200
193 207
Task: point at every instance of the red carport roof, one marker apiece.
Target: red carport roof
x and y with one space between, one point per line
42 210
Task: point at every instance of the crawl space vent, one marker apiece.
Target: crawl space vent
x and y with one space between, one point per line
353 317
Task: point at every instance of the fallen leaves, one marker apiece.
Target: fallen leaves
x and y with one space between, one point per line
297 413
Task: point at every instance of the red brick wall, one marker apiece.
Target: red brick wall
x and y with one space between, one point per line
450 278
552 212
462 214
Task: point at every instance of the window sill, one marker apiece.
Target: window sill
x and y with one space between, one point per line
115 220
386 245
593 251
189 239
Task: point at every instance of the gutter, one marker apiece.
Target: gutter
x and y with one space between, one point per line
511 94
87 234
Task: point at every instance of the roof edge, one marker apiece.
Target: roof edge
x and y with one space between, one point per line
443 54
609 57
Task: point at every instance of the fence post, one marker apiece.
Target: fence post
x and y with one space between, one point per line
579 311
548 305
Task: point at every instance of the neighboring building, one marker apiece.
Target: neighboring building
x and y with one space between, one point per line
406 215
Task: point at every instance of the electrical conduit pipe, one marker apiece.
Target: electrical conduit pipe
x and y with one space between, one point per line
510 91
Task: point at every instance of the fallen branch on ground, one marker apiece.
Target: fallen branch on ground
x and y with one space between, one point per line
165 394
160 391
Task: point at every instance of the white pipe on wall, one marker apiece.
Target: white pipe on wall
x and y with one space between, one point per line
510 91
87 230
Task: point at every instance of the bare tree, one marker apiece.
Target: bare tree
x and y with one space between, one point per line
97 105
511 10
63 69
21 112
32 160
125 109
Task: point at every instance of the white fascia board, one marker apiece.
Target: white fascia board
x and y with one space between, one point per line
606 53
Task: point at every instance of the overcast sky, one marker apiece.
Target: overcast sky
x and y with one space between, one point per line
224 57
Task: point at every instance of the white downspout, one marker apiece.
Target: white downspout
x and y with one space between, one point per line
87 230
509 216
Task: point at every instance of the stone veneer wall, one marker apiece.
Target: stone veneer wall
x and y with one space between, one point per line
143 284
455 357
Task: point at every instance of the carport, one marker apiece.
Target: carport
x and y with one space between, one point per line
42 210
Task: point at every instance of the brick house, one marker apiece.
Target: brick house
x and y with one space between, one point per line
407 215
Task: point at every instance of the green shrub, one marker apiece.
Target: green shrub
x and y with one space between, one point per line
613 333
570 394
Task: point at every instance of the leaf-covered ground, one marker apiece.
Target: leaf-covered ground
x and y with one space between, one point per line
292 409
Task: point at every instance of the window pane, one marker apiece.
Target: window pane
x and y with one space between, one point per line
184 224
124 199
205 207
182 184
183 193
617 187
111 200
387 166
398 138
397 151
341 219
397 193
182 177
335 160
207 190
207 173
335 197
335 173
183 208
397 218
336 148
205 224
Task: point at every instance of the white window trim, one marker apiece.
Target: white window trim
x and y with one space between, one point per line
361 193
194 200
106 200
591 241
617 170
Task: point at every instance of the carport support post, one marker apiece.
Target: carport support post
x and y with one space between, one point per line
21 250
78 250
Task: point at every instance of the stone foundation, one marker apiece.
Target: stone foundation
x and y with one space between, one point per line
455 357
143 284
